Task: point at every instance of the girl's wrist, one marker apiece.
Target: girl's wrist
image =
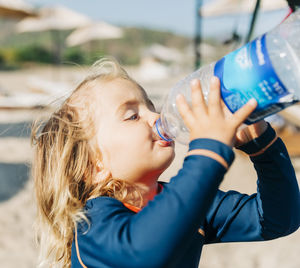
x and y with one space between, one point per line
260 144
246 134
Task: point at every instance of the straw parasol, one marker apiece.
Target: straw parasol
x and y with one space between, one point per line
230 7
163 53
93 31
54 20
15 9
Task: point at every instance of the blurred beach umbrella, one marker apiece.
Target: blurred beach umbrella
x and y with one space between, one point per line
93 31
230 7
152 70
163 53
237 7
16 9
219 8
54 20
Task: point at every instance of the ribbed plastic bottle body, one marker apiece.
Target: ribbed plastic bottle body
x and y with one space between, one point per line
172 124
282 47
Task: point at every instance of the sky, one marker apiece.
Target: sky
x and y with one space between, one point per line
177 16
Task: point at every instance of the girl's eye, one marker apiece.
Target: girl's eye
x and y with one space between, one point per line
133 117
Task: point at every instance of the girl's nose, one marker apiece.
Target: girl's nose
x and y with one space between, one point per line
153 117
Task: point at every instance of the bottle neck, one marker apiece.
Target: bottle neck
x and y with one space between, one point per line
160 131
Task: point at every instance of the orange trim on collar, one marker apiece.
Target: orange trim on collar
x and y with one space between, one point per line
132 208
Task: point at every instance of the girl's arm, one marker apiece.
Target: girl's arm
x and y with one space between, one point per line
273 212
161 231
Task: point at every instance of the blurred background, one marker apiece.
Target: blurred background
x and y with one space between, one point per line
46 49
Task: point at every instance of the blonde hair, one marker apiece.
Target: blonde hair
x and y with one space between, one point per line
64 167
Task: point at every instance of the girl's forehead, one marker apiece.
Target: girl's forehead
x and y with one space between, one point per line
120 90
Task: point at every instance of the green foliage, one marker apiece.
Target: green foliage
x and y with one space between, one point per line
42 47
2 60
34 53
145 37
7 59
74 55
128 49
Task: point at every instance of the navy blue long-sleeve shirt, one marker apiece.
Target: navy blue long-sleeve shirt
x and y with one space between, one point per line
168 232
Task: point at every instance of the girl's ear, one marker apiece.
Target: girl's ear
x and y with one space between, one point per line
101 173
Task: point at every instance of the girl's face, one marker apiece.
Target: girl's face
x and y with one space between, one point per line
130 150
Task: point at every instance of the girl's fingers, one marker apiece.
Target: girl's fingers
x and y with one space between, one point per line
214 100
242 114
184 110
198 101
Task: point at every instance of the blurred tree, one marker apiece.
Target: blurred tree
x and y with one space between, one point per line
74 55
34 54
2 61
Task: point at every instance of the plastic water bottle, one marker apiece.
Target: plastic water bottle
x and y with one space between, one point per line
267 69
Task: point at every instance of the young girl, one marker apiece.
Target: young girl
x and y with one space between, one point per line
96 171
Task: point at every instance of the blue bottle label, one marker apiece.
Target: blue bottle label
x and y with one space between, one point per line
248 73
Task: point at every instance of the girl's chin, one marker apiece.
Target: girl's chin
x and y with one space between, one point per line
168 157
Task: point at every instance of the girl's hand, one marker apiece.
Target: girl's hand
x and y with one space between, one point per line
208 120
246 133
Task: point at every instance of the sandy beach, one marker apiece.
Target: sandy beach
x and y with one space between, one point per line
17 208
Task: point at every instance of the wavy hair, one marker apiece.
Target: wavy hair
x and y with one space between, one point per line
63 168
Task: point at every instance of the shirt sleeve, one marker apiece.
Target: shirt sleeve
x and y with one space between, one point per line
272 212
162 229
